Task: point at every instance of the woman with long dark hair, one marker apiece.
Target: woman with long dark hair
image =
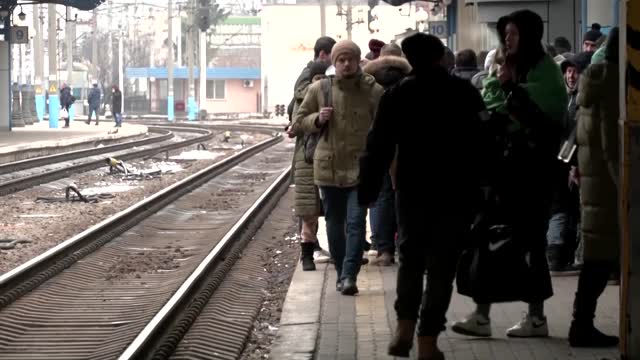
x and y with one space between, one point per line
527 99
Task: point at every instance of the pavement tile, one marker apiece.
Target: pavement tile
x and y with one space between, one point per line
360 327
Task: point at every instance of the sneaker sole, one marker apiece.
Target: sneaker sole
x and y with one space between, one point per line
465 332
527 336
565 273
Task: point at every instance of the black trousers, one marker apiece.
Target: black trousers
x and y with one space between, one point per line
591 283
427 240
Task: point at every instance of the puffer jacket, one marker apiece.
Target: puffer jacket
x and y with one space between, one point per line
307 201
354 101
388 70
598 160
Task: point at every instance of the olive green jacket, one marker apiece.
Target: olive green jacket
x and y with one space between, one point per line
337 157
598 160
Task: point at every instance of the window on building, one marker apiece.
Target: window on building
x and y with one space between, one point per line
215 89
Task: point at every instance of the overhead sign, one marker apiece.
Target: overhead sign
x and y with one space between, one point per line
19 34
438 29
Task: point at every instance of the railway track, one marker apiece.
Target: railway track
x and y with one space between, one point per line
131 286
17 176
163 134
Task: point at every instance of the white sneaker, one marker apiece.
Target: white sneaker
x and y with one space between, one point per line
321 257
372 253
530 326
473 325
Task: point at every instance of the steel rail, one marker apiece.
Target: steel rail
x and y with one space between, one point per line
26 182
166 134
36 271
145 343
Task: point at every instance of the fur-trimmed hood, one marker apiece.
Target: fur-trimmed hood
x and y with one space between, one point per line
388 70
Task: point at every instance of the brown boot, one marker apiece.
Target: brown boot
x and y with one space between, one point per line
403 338
384 259
428 348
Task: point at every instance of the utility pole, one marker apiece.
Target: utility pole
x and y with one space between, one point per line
170 102
203 69
349 16
69 37
94 46
110 43
323 17
54 98
121 65
349 19
69 41
38 18
179 42
190 27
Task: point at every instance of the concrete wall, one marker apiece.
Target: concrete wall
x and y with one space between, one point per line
562 18
289 33
238 99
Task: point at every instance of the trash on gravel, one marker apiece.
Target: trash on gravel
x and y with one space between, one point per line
197 155
104 187
8 244
39 215
6 225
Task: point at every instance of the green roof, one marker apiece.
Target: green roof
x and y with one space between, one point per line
242 20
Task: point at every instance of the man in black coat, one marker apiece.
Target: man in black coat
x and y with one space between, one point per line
388 69
321 52
438 176
116 105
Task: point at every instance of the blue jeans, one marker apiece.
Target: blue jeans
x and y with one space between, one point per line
346 228
383 219
118 117
92 110
560 228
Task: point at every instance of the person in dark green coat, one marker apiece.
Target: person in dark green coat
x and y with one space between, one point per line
528 100
598 161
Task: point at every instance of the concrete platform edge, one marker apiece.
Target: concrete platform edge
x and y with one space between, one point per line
300 321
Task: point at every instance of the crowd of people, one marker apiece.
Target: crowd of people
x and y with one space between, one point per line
93 100
509 156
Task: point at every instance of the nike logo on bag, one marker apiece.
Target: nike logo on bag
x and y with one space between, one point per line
497 245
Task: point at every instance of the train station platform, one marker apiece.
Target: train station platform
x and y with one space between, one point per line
39 140
319 323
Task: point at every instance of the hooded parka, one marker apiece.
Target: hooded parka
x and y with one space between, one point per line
533 104
337 155
388 70
598 160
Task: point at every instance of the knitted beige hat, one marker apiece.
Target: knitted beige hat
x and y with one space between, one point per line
345 47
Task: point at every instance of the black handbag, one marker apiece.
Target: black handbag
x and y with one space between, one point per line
311 140
496 267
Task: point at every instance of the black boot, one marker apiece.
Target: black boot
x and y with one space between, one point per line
306 256
592 281
584 334
554 257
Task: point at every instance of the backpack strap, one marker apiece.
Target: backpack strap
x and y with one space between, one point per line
327 85
327 91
